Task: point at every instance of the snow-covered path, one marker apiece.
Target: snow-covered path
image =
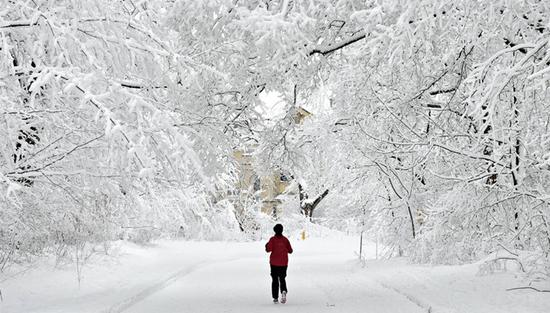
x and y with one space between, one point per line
318 281
214 277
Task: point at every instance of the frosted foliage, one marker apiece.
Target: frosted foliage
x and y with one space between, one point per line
117 117
428 125
435 138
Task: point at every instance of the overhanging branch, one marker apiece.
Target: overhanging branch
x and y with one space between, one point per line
15 24
331 47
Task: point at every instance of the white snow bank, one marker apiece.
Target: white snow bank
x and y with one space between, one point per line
323 276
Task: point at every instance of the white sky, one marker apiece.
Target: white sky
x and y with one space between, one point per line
274 106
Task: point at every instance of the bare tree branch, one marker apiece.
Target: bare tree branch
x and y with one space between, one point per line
331 47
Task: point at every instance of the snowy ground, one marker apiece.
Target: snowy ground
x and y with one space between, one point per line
216 277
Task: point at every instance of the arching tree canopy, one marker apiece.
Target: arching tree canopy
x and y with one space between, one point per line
429 117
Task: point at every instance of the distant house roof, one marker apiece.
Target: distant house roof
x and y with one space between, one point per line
301 113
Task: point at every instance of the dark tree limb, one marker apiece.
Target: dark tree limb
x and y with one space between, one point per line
316 202
133 85
15 24
301 193
331 47
528 287
306 207
442 91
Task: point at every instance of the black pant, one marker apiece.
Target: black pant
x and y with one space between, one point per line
278 274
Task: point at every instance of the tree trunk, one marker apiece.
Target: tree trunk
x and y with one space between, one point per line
515 150
307 208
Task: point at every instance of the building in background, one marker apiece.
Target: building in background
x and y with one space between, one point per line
267 188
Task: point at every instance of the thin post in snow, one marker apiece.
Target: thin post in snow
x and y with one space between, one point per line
361 246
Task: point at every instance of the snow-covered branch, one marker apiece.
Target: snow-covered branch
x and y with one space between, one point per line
328 48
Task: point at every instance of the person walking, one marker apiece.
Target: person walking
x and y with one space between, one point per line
280 247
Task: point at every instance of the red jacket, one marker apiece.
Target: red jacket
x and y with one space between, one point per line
279 246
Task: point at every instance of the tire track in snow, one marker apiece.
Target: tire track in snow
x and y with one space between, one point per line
130 301
147 292
421 304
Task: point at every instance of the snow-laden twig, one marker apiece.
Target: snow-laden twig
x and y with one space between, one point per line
331 47
528 287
